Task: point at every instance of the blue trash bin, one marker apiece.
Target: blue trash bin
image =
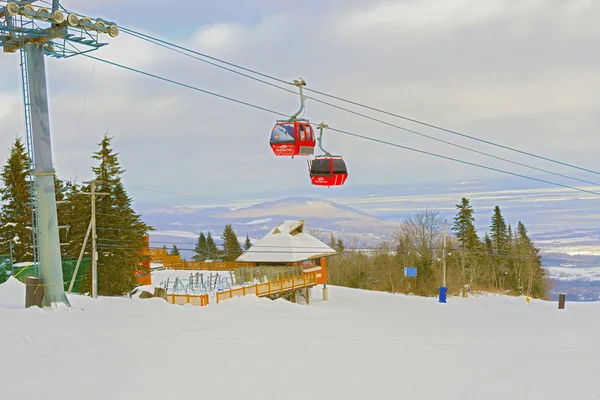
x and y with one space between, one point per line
443 291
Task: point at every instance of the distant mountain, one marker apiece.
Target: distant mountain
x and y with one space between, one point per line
182 225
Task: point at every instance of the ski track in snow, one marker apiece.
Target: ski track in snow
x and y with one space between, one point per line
358 345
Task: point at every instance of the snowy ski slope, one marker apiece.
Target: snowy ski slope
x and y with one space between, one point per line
357 345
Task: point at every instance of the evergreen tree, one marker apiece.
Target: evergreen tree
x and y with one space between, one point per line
231 245
63 211
16 207
201 248
76 213
464 226
531 273
332 241
489 247
212 252
499 233
339 247
120 231
247 243
175 251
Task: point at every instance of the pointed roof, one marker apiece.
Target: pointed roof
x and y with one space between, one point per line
287 242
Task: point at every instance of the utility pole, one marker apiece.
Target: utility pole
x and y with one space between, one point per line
92 226
34 32
444 258
443 288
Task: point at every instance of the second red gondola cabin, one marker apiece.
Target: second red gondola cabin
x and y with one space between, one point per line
293 139
328 171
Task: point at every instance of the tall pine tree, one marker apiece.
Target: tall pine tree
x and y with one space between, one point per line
16 207
499 233
174 251
464 226
201 249
247 243
77 215
231 245
212 252
120 230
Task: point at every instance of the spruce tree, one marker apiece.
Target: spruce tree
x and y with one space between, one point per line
464 226
339 246
212 252
499 233
62 188
489 247
16 207
120 230
76 213
332 242
247 243
231 245
201 248
531 275
175 251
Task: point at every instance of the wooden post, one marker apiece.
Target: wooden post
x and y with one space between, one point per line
34 292
269 288
230 293
244 290
172 298
562 298
307 295
256 290
187 298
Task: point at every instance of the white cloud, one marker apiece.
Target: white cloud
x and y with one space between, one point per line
219 37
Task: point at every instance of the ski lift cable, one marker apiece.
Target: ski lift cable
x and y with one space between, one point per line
372 118
173 47
336 130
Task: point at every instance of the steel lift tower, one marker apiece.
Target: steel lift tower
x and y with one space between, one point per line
35 32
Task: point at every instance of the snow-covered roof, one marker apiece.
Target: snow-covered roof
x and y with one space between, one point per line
287 243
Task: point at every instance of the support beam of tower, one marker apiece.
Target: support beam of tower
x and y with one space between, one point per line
47 219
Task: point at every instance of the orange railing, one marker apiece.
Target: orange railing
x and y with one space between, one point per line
269 288
195 300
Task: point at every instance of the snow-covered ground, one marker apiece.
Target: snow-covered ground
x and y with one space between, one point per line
358 345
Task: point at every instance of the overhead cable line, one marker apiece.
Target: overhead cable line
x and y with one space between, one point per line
157 42
166 44
338 130
182 84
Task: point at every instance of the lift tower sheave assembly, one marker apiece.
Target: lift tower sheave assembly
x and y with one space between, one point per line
35 32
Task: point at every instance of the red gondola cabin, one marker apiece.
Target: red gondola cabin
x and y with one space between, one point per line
328 171
293 139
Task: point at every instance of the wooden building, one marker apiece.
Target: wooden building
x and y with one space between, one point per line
287 244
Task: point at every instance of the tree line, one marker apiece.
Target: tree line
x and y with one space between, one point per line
120 231
206 248
504 260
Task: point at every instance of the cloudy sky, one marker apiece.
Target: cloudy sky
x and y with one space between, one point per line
523 73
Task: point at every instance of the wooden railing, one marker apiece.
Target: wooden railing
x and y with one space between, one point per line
195 300
260 290
269 288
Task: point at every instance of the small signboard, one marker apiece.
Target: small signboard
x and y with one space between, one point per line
410 271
